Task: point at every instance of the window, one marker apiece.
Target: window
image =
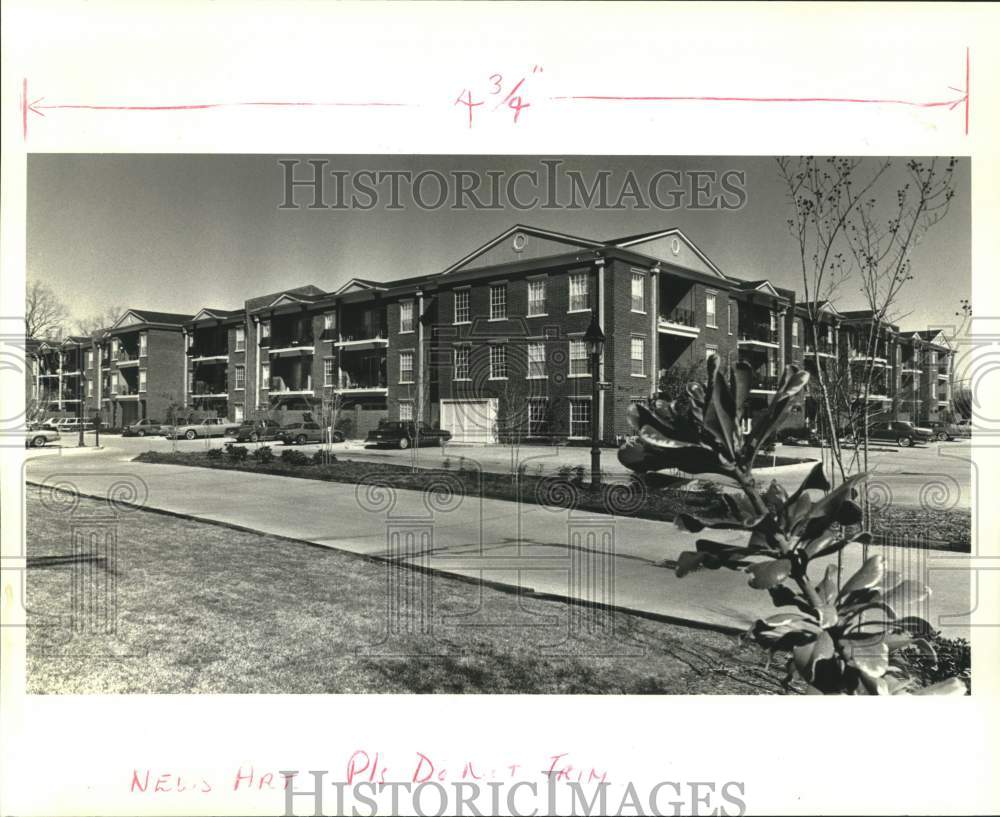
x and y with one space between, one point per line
498 362
90 388
142 380
265 329
711 350
406 367
579 359
537 423
328 371
461 306
733 317
241 377
142 343
579 291
406 411
406 316
795 332
536 298
773 319
265 375
241 339
638 292
498 302
638 356
579 418
462 362
90 358
710 309
329 321
536 360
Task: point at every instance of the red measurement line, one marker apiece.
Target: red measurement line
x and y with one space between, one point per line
35 106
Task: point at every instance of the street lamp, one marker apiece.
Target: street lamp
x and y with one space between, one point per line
594 338
80 391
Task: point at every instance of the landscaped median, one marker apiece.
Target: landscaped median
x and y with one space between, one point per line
652 496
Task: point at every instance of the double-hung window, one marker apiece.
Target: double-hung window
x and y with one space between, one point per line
536 297
536 360
462 362
638 356
579 359
537 416
498 302
241 377
579 418
498 361
710 310
406 316
241 339
461 306
579 291
406 367
638 292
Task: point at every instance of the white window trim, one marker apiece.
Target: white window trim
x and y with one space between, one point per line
403 331
506 304
642 275
731 308
714 295
454 306
401 369
585 399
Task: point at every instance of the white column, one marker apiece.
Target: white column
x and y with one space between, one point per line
654 313
419 417
258 365
601 306
184 375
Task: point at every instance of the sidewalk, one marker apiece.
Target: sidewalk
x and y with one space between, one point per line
566 554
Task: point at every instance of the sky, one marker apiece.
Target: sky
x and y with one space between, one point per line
180 232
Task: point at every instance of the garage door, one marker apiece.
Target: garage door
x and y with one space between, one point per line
470 421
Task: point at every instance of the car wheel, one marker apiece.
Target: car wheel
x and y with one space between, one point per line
189 435
253 438
300 440
404 443
904 442
140 433
942 437
37 442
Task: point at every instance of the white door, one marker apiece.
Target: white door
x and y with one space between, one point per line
238 413
470 421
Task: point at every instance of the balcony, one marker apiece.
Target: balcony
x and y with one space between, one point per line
201 388
761 335
198 354
822 349
678 321
125 358
942 372
288 346
764 384
124 391
910 367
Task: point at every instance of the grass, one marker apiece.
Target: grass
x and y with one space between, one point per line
205 608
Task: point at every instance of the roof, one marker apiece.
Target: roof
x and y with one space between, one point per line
307 293
761 285
207 313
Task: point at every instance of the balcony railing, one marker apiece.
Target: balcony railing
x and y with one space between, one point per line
208 351
759 334
823 348
363 383
681 315
127 391
201 387
123 356
280 342
765 382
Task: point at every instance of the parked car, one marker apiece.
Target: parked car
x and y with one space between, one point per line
71 424
210 427
301 433
253 431
143 428
944 431
963 428
904 434
403 434
41 436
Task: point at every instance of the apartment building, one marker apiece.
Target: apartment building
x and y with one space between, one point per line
142 367
492 347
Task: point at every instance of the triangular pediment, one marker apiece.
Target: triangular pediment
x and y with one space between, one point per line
285 299
130 318
357 285
521 243
675 248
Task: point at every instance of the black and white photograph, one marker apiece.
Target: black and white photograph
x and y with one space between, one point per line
595 425
498 408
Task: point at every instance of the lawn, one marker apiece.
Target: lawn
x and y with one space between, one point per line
205 608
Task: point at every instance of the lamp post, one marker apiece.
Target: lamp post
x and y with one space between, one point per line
80 391
594 338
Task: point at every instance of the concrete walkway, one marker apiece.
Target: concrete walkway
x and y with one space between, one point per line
619 561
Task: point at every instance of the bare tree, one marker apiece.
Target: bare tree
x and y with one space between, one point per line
44 314
93 324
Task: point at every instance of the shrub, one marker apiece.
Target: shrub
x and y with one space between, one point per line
215 453
841 639
263 454
292 457
579 473
321 457
237 453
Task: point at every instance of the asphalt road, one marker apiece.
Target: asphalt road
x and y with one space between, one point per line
937 476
